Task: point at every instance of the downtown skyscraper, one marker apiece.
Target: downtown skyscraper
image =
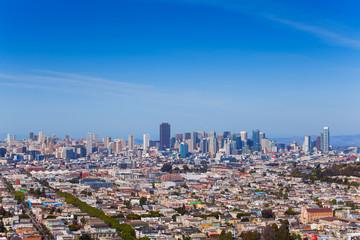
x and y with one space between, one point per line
325 139
164 135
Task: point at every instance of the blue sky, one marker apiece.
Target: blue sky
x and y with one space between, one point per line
123 67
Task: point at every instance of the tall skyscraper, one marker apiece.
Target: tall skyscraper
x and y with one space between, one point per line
131 142
95 138
213 145
306 144
41 137
31 136
179 136
107 141
256 137
8 139
244 137
325 139
184 150
194 138
89 144
164 135
146 141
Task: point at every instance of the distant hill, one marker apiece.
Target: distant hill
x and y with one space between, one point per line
336 141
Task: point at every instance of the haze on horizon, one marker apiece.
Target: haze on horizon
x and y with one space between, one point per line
123 67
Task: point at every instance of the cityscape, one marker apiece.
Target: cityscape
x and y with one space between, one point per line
179 120
192 185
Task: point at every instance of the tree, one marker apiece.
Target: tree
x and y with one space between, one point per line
283 232
268 233
267 213
143 201
225 236
73 227
167 167
250 235
85 237
290 211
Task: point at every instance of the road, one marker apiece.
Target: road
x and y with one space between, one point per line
35 222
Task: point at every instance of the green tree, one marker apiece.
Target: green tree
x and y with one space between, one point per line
85 237
167 167
143 201
267 213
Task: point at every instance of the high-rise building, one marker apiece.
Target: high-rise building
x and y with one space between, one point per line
89 144
226 134
131 142
194 138
179 136
41 137
325 139
31 136
107 141
164 135
204 145
95 138
318 143
146 141
306 144
256 137
8 139
244 137
227 146
184 150
213 145
187 136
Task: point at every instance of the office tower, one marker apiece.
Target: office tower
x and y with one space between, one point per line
146 141
116 147
204 145
326 139
89 144
201 134
194 138
131 142
256 137
212 134
31 136
172 142
184 150
41 137
227 146
107 141
237 141
179 136
95 138
306 144
213 145
14 137
226 134
318 143
190 145
8 139
187 136
164 135
244 137
261 136
322 142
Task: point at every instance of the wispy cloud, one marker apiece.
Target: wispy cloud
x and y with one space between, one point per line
269 10
327 35
79 84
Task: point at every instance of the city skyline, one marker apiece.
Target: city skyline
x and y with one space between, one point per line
196 64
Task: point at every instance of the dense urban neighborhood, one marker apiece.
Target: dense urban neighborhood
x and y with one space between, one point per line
197 186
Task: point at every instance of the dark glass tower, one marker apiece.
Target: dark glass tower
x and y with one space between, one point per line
164 135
